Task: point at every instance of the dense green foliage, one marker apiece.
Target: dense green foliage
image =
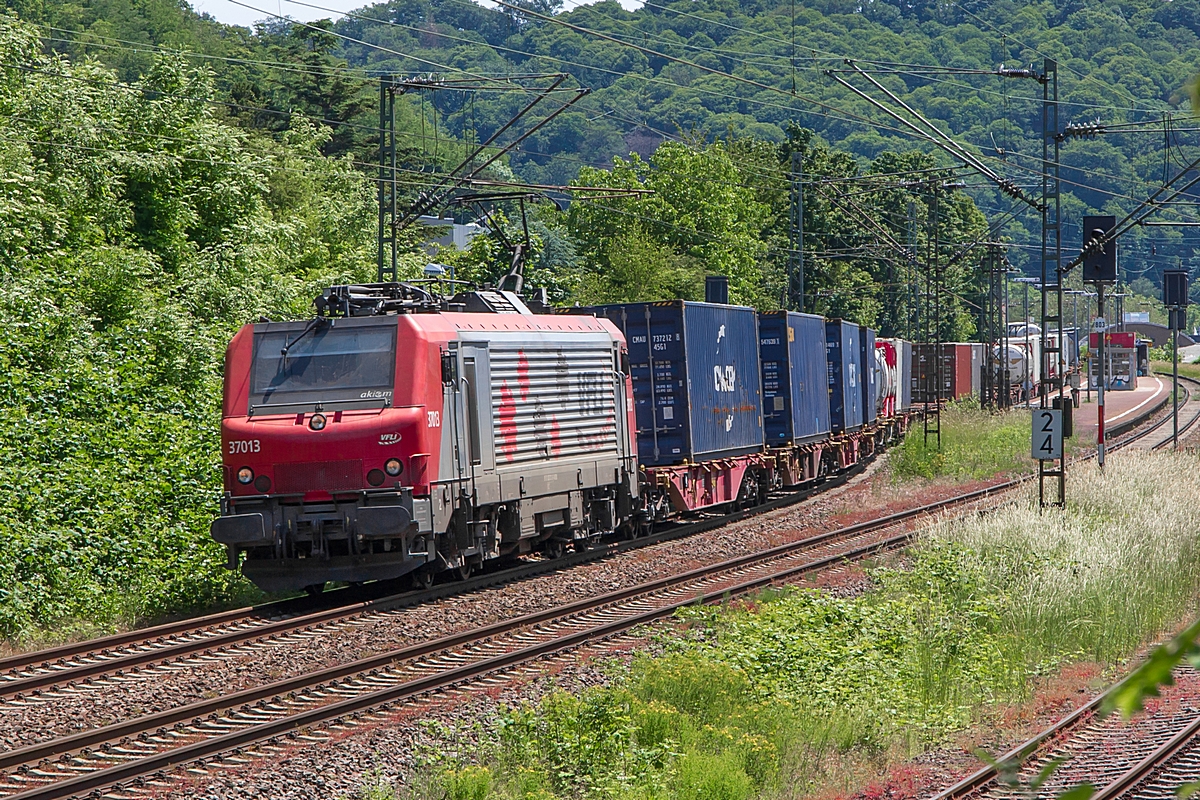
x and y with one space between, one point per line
1122 61
138 230
781 696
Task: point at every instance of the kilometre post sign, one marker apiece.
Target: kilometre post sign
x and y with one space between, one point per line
1047 440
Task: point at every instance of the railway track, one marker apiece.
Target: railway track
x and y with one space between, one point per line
139 748
1189 413
1152 769
30 675
135 750
1150 756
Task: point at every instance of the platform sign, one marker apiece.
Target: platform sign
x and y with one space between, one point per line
1047 439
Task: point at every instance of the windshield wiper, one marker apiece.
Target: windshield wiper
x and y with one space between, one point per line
319 405
316 321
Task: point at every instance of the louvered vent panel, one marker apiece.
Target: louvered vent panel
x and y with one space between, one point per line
553 402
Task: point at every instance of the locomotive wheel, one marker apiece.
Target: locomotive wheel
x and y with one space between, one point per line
422 579
314 589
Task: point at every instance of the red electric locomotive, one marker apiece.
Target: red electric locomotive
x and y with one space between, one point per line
398 432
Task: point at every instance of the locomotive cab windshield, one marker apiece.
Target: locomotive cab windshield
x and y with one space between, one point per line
338 363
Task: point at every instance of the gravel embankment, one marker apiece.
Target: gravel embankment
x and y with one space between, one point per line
147 691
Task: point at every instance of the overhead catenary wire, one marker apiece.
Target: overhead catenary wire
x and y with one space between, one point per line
934 135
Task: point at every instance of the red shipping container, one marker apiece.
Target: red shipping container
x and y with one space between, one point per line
954 375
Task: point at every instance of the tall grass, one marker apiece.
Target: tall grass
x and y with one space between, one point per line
975 444
1188 369
803 691
1121 563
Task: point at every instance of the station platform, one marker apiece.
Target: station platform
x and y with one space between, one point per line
1121 407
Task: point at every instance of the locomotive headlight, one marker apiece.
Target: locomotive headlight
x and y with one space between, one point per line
393 467
245 475
317 423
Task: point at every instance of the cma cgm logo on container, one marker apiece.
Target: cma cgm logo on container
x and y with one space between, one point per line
725 378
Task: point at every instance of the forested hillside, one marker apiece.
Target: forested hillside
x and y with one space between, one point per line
1121 62
1124 63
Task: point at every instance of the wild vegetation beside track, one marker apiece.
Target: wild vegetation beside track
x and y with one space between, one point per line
976 444
805 692
1186 369
138 230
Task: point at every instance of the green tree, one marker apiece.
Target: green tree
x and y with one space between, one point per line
700 219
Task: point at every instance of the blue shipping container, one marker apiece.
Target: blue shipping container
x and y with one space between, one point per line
795 377
866 357
696 382
844 362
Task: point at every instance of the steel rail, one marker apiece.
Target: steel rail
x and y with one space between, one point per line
263 731
1144 768
1186 425
147 648
980 778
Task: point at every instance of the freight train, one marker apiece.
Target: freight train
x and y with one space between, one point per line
1028 374
400 432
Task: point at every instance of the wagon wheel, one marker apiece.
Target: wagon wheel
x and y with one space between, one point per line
314 589
463 570
748 495
422 578
554 548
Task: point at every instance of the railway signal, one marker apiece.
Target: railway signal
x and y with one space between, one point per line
1175 298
